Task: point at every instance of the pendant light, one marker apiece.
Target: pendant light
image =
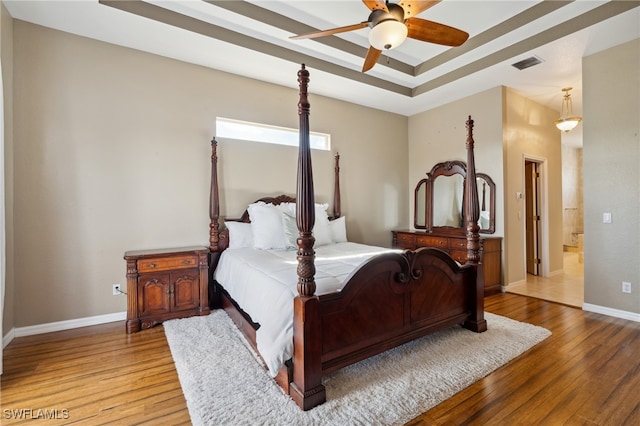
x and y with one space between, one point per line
567 120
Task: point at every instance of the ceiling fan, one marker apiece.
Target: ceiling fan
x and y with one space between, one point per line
392 23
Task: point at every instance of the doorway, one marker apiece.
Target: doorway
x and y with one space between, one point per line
532 216
567 285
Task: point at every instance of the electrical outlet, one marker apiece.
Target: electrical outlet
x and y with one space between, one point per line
626 287
116 290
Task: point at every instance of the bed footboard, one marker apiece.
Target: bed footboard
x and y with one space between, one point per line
395 298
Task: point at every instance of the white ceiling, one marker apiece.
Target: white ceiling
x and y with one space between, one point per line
251 38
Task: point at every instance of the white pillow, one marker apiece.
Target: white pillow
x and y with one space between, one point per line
288 209
338 230
240 234
267 227
321 230
290 230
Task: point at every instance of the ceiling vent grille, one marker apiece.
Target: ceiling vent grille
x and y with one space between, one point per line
526 63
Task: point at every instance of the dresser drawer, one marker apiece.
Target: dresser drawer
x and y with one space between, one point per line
457 244
404 241
405 238
459 256
166 263
431 241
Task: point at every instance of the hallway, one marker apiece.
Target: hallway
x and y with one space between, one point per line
566 287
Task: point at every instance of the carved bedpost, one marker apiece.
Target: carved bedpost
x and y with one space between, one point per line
336 188
472 215
214 234
214 201
307 389
471 204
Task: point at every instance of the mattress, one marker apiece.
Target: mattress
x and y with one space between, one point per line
263 283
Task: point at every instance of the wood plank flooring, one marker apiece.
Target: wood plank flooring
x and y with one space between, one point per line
587 372
92 376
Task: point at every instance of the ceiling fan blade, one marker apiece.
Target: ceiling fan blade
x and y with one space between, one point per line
322 33
372 57
376 5
433 32
413 8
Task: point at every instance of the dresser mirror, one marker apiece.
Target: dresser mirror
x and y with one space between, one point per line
439 200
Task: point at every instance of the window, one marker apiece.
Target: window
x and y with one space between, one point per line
256 132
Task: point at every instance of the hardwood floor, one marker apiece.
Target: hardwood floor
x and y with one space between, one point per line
92 376
587 372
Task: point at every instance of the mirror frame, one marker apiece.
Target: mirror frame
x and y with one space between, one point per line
450 168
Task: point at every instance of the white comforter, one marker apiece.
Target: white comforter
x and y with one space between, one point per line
263 282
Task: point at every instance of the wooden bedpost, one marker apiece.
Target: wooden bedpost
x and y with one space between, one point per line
307 389
472 215
214 233
336 188
214 202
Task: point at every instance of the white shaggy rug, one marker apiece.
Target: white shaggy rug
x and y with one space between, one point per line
225 385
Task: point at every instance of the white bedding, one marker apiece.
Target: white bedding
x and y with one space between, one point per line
263 282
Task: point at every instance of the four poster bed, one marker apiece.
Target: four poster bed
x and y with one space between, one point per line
380 298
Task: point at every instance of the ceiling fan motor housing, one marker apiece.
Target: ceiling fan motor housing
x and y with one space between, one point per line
396 13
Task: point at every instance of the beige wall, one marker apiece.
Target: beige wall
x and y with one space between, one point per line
440 135
529 133
112 154
6 55
611 156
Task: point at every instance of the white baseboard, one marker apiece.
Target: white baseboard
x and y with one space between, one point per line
632 316
8 338
61 325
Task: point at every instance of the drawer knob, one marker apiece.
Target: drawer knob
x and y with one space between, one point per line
151 265
186 262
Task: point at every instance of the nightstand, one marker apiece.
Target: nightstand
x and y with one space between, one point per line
164 284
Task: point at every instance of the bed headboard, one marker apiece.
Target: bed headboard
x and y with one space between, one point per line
219 239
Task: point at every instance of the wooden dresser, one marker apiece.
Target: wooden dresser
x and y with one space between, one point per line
164 284
456 246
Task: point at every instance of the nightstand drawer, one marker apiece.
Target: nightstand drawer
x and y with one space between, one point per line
431 241
163 264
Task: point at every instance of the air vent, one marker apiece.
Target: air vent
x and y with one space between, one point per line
526 63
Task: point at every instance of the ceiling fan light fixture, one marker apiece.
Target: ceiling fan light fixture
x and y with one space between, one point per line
388 35
567 121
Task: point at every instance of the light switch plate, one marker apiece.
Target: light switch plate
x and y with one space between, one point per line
606 217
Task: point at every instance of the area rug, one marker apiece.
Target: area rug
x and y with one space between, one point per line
224 384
